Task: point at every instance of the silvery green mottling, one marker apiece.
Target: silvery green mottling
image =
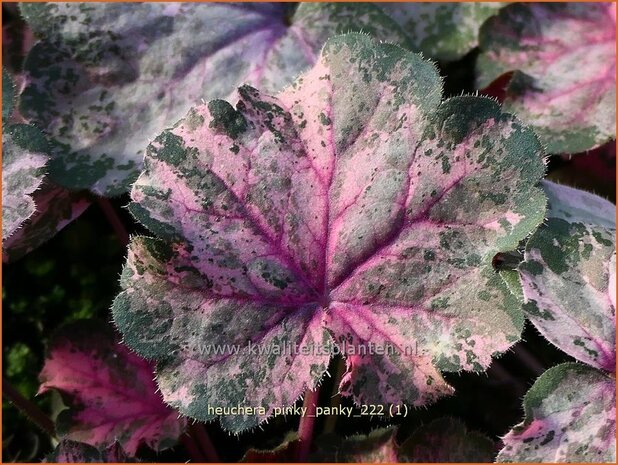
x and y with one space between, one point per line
109 77
569 285
355 206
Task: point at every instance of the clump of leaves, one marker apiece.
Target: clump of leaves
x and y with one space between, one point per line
314 195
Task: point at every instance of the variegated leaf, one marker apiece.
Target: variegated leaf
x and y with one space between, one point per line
443 31
56 207
355 205
569 279
24 156
564 58
570 417
109 77
111 392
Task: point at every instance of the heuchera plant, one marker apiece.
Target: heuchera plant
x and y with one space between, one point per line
317 200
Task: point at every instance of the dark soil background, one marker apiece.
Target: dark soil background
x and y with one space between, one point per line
75 275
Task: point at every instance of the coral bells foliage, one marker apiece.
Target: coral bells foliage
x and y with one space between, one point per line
304 203
355 206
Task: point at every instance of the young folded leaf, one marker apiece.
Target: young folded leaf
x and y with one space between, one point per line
570 417
355 208
108 77
564 58
110 391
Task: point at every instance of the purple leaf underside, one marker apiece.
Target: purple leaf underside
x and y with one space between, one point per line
110 390
354 208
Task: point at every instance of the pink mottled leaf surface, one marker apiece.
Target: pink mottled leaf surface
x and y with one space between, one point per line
568 276
570 416
110 391
354 208
569 286
564 58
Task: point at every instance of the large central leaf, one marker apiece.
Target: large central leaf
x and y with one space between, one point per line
354 206
109 77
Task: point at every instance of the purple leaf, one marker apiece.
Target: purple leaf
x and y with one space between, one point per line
564 55
570 417
568 276
111 393
355 208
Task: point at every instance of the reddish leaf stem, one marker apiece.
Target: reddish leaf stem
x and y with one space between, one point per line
114 220
307 422
335 399
198 432
29 408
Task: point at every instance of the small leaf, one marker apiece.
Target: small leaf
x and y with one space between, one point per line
568 276
56 207
447 440
379 446
443 31
24 155
107 78
284 452
570 417
564 55
68 451
111 393
355 208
